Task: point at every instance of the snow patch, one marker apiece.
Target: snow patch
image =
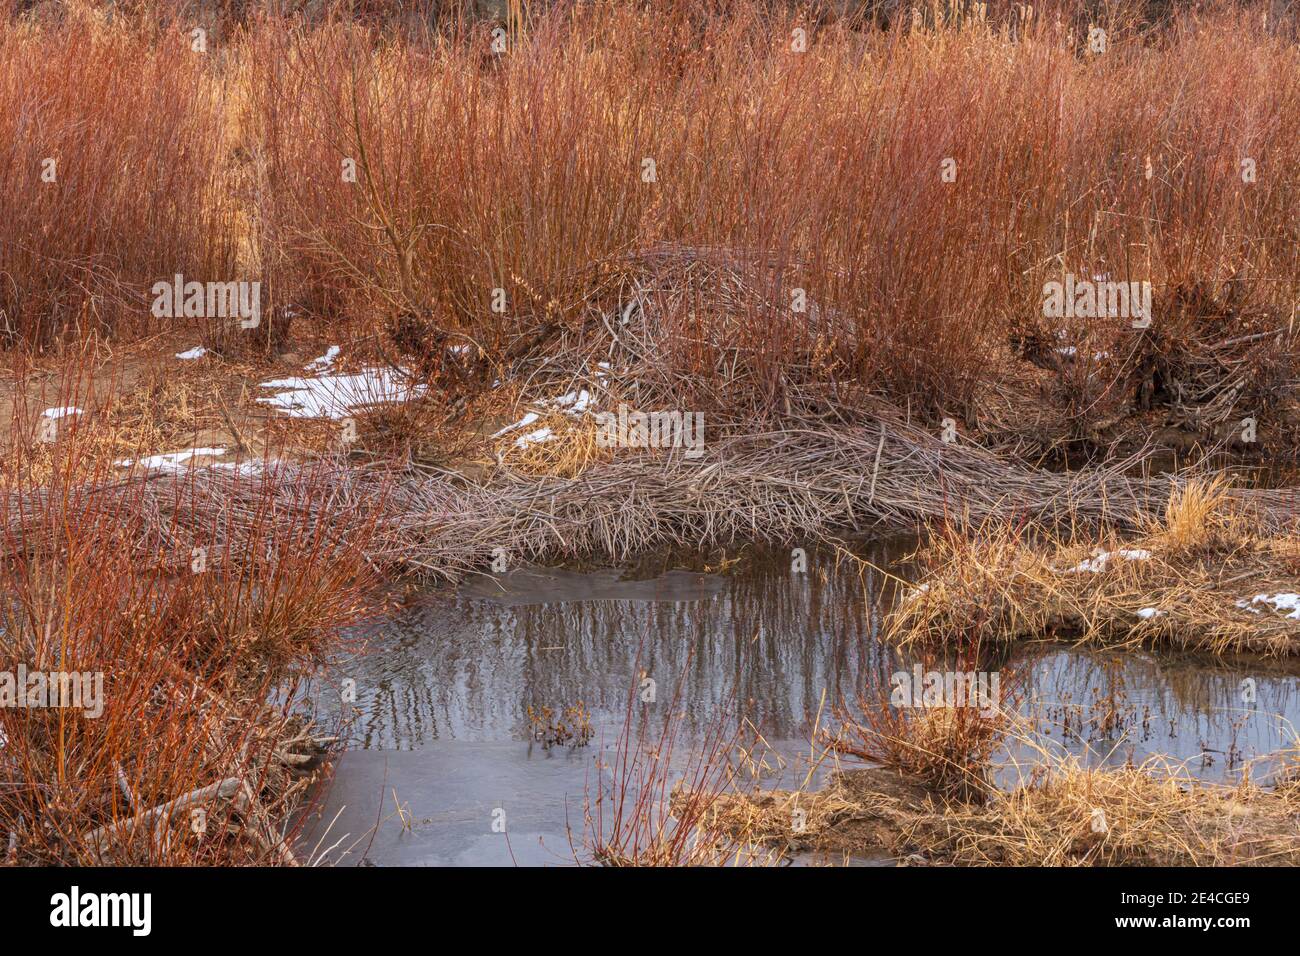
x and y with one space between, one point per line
576 402
175 461
571 403
195 353
541 435
1282 601
522 423
338 396
1102 559
324 361
57 413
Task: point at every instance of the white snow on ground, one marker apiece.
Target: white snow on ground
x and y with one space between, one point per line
1282 601
57 413
522 423
170 461
1100 562
1149 612
323 362
195 353
338 396
572 403
542 434
178 462
576 402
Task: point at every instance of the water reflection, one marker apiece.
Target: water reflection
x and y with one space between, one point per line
443 692
466 667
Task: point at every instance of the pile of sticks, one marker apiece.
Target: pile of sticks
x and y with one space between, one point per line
796 484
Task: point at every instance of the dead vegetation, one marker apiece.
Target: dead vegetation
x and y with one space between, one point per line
515 220
189 638
946 748
932 800
1207 574
1208 370
463 211
654 805
1069 815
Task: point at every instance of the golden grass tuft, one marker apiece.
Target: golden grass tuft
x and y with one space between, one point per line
568 452
1200 520
984 586
1178 583
1150 815
1066 814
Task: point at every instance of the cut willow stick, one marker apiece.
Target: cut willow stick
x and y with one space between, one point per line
246 802
123 830
125 787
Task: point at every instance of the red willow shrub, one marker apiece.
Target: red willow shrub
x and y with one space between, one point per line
791 198
188 633
912 188
110 152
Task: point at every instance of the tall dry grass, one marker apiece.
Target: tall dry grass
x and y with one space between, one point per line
818 171
774 171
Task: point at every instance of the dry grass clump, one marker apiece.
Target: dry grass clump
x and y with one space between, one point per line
928 754
976 586
1065 815
1203 576
790 821
1201 521
947 747
554 445
1151 815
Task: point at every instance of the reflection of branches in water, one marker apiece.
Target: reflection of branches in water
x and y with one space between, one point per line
1176 705
468 668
